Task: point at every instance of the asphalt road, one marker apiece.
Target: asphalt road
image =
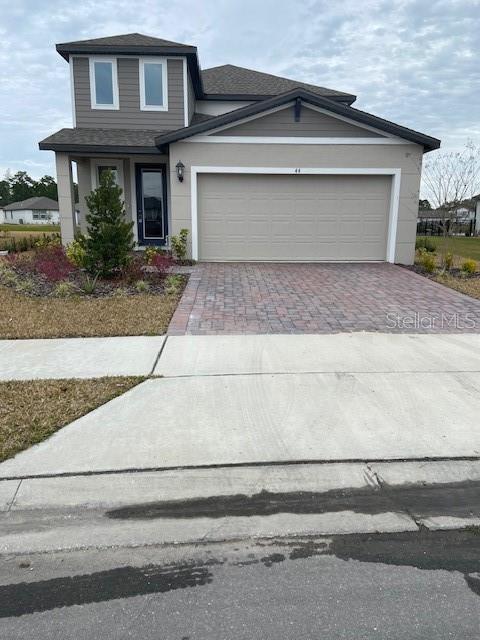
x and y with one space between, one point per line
405 585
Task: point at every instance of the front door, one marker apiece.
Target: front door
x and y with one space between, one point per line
152 220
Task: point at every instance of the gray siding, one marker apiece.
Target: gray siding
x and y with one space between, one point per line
129 115
312 123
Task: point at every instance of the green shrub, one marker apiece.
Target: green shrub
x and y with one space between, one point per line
47 240
26 285
8 277
469 267
150 253
179 244
173 284
447 261
428 262
109 243
425 243
142 286
76 252
88 284
64 289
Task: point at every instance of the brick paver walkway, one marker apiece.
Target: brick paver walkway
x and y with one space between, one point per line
318 298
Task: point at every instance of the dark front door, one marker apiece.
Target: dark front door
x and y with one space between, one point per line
152 219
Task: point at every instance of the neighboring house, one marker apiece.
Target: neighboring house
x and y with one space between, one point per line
2 216
256 166
36 210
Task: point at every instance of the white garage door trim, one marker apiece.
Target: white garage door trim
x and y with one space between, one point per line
394 194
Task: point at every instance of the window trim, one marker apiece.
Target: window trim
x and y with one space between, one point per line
107 162
93 97
141 77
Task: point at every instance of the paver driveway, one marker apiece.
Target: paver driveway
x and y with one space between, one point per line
318 298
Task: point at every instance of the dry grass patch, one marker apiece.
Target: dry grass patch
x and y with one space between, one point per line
468 286
28 317
32 410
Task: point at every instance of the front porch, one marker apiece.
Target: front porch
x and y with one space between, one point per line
144 180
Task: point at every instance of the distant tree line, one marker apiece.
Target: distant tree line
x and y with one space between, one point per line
20 186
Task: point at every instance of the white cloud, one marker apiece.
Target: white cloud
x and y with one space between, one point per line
411 61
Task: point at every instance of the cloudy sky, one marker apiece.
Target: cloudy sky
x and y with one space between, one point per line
416 62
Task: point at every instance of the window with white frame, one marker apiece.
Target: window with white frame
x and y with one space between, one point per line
100 166
103 83
153 84
39 214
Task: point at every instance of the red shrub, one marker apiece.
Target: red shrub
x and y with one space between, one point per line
162 263
52 263
133 271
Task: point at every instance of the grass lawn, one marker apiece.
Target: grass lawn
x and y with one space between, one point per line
44 317
32 410
24 228
460 246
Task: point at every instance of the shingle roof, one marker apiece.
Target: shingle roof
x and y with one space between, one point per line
36 202
126 39
80 139
229 79
83 139
134 43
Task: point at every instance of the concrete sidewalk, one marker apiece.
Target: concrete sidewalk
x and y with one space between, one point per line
271 399
336 353
78 357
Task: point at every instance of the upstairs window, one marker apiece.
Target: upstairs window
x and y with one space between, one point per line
103 83
153 84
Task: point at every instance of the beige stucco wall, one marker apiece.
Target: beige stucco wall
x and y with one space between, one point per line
84 176
406 157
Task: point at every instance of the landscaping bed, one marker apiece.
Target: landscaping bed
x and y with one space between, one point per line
49 272
451 270
32 410
46 292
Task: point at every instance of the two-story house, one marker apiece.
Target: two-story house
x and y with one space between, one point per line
257 167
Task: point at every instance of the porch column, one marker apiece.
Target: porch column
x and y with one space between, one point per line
84 178
66 202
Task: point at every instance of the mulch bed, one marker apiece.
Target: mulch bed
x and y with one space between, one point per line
40 286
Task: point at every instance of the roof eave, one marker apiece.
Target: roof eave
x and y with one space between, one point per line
95 148
256 97
65 50
362 117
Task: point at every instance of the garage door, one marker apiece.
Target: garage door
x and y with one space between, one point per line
292 217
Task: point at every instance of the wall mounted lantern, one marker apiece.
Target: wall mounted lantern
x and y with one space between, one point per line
180 167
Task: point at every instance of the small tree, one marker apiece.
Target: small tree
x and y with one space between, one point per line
449 179
110 238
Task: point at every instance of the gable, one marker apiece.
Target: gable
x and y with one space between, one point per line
312 123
